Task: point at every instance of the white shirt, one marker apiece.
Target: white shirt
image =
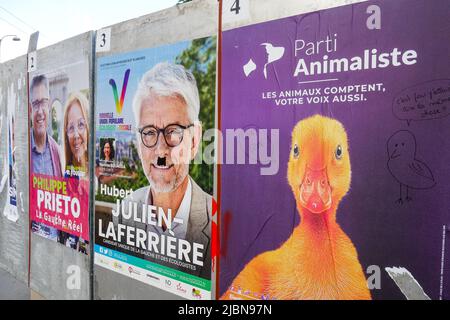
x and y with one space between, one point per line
179 230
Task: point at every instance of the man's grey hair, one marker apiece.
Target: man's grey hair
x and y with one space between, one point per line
168 80
38 80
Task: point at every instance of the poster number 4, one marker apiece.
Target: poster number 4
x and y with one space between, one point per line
235 7
236 10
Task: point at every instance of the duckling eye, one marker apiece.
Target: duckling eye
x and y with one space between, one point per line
296 152
339 153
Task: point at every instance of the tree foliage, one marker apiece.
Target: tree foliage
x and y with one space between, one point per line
200 59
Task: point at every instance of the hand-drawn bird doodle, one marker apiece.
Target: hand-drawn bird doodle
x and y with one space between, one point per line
405 167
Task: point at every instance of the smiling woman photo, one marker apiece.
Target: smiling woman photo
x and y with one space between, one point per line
107 150
76 133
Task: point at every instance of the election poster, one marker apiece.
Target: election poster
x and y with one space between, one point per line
10 210
154 186
335 180
59 110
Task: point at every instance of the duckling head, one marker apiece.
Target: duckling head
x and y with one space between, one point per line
319 170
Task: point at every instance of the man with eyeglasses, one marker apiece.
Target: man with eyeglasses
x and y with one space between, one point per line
45 156
166 108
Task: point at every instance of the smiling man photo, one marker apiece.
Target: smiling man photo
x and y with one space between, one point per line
166 109
45 156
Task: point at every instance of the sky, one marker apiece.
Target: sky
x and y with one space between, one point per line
63 19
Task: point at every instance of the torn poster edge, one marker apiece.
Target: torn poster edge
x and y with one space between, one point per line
403 272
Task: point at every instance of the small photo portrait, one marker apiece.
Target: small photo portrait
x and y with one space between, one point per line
107 149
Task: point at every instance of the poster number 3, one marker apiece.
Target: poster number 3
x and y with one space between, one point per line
103 42
236 10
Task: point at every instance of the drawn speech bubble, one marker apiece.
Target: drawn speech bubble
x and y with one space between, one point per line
426 101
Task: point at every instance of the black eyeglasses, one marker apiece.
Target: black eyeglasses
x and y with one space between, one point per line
173 135
39 104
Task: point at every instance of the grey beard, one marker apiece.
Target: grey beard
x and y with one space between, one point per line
168 187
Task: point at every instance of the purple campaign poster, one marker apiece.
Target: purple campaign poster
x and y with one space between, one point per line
335 176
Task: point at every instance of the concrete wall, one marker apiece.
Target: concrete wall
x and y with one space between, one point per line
14 235
50 261
266 10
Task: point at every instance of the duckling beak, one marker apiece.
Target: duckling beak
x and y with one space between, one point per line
315 191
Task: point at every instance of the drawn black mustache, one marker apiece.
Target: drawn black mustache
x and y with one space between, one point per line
162 162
